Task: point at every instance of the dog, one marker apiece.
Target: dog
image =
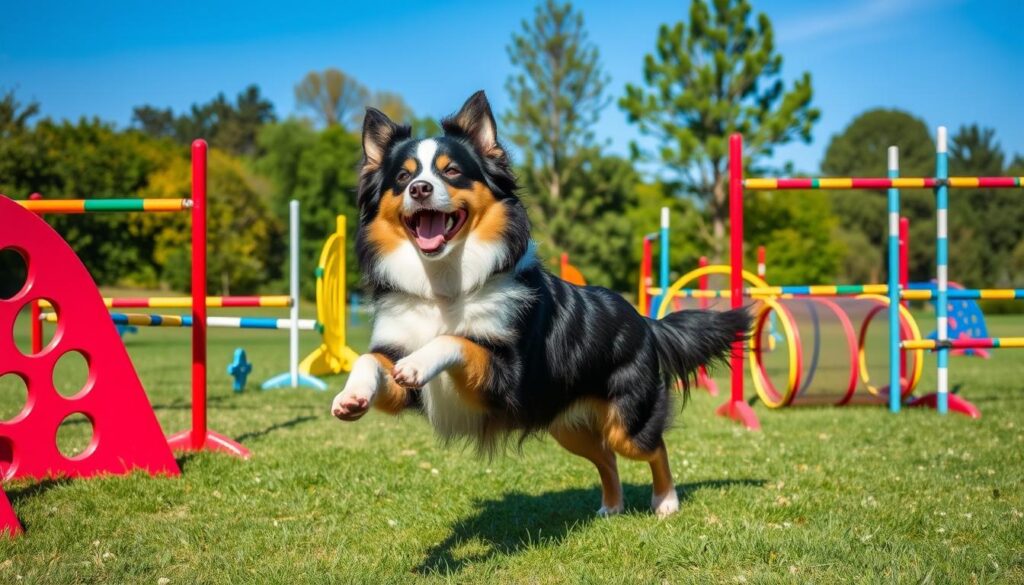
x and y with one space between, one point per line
472 331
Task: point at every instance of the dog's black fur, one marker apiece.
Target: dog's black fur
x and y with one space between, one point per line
561 344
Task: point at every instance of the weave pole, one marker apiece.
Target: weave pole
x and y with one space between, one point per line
293 378
199 437
736 407
942 271
894 284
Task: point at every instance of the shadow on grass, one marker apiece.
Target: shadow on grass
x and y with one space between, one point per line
517 521
274 427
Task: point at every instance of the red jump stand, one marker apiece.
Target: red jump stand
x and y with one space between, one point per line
199 438
126 434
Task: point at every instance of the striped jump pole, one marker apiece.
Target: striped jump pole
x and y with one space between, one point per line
662 260
894 285
267 301
975 343
847 183
149 320
942 270
71 206
199 437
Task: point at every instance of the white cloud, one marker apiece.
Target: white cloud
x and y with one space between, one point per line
850 17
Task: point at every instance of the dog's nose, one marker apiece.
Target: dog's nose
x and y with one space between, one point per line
420 190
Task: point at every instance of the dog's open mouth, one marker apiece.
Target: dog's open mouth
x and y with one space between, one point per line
432 229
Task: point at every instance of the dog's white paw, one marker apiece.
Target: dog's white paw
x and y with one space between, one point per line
608 511
351 404
666 504
411 372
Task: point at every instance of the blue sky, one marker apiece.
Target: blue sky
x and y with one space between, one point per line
951 62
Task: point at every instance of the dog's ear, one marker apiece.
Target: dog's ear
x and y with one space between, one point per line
379 133
476 122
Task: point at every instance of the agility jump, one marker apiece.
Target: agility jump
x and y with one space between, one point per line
904 337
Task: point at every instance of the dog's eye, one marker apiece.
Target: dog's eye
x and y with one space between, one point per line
452 171
402 176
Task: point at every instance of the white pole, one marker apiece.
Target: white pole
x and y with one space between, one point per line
293 270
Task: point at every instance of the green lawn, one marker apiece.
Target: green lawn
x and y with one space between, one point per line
821 495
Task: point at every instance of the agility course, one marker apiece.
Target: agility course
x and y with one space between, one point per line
113 390
905 345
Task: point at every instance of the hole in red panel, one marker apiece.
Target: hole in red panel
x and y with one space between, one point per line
71 374
24 325
75 436
13 272
13 396
6 458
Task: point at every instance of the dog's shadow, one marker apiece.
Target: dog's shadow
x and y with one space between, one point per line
518 521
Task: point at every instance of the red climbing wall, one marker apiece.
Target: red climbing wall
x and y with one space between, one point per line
126 434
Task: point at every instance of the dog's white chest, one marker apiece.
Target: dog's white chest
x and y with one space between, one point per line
409 322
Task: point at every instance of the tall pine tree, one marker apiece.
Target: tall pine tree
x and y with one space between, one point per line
577 196
712 76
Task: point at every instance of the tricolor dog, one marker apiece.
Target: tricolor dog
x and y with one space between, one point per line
472 331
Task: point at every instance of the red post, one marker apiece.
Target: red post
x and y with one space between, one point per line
703 380
198 294
904 280
643 299
762 264
37 324
200 437
736 408
904 254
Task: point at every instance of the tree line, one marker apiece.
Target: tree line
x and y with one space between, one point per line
714 74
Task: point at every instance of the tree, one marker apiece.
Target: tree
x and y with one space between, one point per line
231 127
798 231
335 97
14 115
710 77
591 222
985 225
318 169
557 94
861 150
578 197
245 242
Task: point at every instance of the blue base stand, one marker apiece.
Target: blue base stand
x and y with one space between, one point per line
239 370
285 381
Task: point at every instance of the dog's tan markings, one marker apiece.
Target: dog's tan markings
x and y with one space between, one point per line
392 398
386 231
487 216
410 165
587 443
442 162
471 375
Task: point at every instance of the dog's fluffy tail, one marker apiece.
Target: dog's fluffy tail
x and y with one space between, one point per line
687 340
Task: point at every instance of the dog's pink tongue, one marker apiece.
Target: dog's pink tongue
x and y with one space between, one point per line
429 231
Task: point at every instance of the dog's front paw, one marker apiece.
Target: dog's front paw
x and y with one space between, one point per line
350 406
409 372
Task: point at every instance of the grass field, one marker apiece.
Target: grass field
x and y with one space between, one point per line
821 495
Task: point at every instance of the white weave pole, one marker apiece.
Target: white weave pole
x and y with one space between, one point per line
293 273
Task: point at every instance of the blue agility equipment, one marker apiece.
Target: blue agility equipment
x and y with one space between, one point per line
239 369
123 330
964 317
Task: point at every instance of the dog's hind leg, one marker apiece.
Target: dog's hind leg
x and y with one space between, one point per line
590 445
664 500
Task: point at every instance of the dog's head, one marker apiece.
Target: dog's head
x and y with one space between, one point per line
439 216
